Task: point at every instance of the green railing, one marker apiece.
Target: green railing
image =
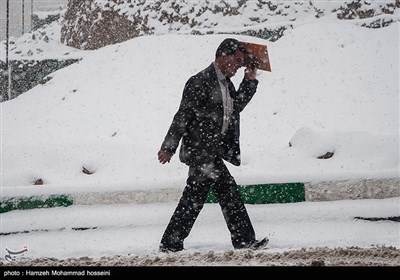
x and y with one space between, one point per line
23 203
268 193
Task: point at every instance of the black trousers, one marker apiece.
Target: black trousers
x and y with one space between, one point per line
200 180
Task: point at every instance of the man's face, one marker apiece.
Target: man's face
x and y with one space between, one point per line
231 63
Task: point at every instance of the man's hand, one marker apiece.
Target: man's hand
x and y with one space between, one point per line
164 157
250 73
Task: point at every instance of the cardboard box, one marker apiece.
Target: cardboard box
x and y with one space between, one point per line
257 56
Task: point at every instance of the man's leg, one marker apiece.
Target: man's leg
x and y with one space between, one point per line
187 210
233 208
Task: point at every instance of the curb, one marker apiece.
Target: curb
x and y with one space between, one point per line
252 194
352 189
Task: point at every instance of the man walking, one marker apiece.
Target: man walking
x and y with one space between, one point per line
208 123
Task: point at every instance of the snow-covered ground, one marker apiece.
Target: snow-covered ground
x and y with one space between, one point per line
334 87
109 230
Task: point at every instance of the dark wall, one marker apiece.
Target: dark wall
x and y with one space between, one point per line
26 74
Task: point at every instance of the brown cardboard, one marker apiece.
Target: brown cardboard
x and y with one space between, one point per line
257 55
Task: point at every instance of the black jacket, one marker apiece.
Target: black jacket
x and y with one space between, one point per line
199 120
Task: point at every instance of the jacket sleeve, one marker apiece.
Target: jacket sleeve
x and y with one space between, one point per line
187 109
245 93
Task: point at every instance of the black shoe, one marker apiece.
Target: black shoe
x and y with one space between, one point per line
259 244
166 249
